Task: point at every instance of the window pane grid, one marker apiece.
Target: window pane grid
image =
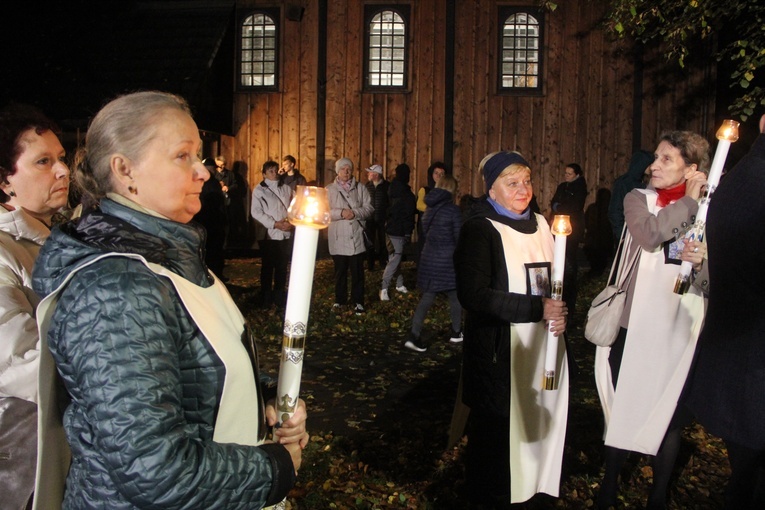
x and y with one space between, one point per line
520 54
387 50
258 55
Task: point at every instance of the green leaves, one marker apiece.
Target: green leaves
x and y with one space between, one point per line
678 26
549 5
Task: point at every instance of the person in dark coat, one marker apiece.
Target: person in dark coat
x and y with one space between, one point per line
598 237
290 175
725 385
231 187
632 179
378 188
569 199
399 227
441 227
212 216
436 170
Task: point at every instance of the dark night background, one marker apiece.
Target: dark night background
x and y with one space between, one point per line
71 57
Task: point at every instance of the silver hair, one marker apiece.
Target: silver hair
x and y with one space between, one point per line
125 125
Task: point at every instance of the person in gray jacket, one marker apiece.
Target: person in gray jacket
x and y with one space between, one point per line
163 405
270 201
350 206
34 185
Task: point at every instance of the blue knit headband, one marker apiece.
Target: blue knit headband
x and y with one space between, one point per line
497 163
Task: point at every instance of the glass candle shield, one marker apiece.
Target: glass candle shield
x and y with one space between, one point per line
309 208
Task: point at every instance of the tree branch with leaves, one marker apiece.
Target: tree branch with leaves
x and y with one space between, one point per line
737 26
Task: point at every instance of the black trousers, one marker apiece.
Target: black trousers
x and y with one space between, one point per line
275 257
376 232
570 279
354 263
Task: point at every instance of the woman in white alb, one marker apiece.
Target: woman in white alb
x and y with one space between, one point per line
640 377
515 429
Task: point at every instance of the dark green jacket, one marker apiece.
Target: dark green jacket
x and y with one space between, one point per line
144 382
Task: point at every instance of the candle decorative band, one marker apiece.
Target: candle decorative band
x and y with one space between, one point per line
290 369
309 212
727 134
557 290
297 329
549 380
561 227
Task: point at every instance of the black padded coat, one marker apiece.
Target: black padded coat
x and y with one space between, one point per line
482 284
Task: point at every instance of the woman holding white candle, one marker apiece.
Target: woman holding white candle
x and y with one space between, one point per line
503 263
163 406
651 355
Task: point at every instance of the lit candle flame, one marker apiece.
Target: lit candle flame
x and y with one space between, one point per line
309 208
561 225
728 131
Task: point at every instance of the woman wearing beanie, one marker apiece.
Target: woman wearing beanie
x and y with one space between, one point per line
515 429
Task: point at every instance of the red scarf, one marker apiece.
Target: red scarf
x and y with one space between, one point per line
670 195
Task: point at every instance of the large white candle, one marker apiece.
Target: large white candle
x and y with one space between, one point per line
727 134
309 212
561 228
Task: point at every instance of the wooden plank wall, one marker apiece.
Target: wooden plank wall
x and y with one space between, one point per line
585 114
272 125
677 99
382 128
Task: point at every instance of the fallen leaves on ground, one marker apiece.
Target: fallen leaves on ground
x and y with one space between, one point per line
379 414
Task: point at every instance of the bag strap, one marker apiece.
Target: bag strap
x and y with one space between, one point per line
340 192
286 206
617 255
430 223
623 278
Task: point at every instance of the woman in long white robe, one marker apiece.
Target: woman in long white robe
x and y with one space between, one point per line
516 429
640 377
